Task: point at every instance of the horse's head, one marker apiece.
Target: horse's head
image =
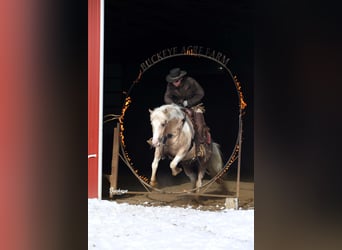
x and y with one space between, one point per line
159 120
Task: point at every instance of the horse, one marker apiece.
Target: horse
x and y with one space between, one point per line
173 136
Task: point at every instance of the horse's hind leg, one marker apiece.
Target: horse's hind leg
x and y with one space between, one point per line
200 175
191 174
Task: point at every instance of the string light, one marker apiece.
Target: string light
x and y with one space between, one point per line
243 104
128 101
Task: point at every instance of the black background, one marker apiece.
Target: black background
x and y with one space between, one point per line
132 35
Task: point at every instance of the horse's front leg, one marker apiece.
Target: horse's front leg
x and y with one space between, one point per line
157 157
173 164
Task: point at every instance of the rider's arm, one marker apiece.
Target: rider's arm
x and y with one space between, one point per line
197 92
168 96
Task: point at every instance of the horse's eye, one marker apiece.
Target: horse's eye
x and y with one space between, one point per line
163 124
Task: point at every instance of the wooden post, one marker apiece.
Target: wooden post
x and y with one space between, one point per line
113 179
239 158
234 202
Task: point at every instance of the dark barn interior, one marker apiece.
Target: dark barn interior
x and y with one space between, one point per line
135 30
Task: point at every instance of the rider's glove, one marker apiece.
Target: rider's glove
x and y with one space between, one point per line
185 103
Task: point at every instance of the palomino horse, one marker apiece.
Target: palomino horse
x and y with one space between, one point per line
173 136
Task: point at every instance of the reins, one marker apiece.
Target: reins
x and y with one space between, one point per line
168 135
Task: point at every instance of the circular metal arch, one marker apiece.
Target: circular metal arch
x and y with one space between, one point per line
236 153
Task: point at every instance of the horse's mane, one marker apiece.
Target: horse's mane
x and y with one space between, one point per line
168 112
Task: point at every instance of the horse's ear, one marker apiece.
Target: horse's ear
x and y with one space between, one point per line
150 110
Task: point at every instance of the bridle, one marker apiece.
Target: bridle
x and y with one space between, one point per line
167 136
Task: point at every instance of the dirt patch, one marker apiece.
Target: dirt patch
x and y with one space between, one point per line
213 199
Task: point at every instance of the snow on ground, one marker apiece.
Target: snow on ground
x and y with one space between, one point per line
122 226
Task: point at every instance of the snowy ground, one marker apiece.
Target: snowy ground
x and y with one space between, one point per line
123 226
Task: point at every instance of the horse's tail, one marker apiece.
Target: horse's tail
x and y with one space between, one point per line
215 163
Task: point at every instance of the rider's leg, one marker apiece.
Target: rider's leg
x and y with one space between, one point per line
200 135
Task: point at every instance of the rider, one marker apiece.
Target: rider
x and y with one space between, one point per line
187 92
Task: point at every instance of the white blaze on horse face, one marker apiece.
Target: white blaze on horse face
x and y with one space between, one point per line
158 130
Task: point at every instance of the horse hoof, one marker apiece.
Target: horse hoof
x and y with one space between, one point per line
153 183
176 171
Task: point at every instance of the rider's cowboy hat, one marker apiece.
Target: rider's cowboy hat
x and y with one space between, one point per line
175 74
